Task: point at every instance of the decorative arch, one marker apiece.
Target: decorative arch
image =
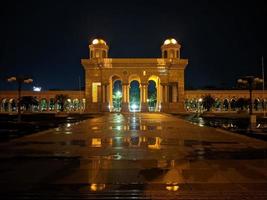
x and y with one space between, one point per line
135 93
154 101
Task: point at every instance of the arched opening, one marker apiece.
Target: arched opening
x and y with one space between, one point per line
43 104
217 104
233 104
68 105
76 104
165 54
152 95
115 93
52 104
4 105
225 104
257 104
134 96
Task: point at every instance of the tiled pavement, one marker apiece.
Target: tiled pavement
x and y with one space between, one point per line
135 155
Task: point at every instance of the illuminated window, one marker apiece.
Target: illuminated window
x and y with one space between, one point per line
95 91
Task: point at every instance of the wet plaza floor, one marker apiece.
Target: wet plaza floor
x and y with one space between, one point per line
134 155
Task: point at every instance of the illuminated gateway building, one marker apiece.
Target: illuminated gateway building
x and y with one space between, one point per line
130 85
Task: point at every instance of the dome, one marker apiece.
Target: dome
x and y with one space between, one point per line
170 41
98 41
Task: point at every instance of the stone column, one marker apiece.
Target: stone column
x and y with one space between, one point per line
125 102
105 103
144 106
174 93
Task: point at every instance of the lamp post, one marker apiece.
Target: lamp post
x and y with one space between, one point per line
250 81
20 80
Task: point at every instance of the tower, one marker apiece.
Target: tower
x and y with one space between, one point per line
170 49
98 49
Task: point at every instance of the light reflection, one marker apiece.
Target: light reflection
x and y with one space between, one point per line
172 187
96 142
133 141
68 125
156 145
97 187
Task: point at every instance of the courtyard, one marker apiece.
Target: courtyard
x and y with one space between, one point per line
134 155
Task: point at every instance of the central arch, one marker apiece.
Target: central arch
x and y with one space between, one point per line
134 93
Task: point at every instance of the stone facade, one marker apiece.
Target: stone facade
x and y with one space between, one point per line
101 72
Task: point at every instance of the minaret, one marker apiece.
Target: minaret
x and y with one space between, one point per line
171 49
98 49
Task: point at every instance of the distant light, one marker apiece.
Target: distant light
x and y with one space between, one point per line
167 42
173 41
200 100
95 41
118 94
37 89
134 107
98 41
170 41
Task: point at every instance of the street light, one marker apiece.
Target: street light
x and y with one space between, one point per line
19 80
250 81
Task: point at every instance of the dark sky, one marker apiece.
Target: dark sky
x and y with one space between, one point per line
47 39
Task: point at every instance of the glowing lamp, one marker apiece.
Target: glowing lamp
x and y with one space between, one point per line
95 41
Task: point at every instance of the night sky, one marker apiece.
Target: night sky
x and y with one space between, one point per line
46 39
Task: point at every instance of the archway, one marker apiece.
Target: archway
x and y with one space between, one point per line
52 104
13 105
115 91
134 96
43 104
76 104
153 93
4 105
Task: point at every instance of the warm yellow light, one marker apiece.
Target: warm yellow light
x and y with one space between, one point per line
95 86
167 42
98 41
97 187
172 187
170 41
95 41
173 41
96 142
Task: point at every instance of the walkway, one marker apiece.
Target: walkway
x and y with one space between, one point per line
153 156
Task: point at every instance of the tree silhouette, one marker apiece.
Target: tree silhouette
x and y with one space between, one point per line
208 102
61 101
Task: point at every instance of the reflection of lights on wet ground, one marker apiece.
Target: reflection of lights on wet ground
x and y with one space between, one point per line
118 128
97 187
172 188
95 128
68 132
96 142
